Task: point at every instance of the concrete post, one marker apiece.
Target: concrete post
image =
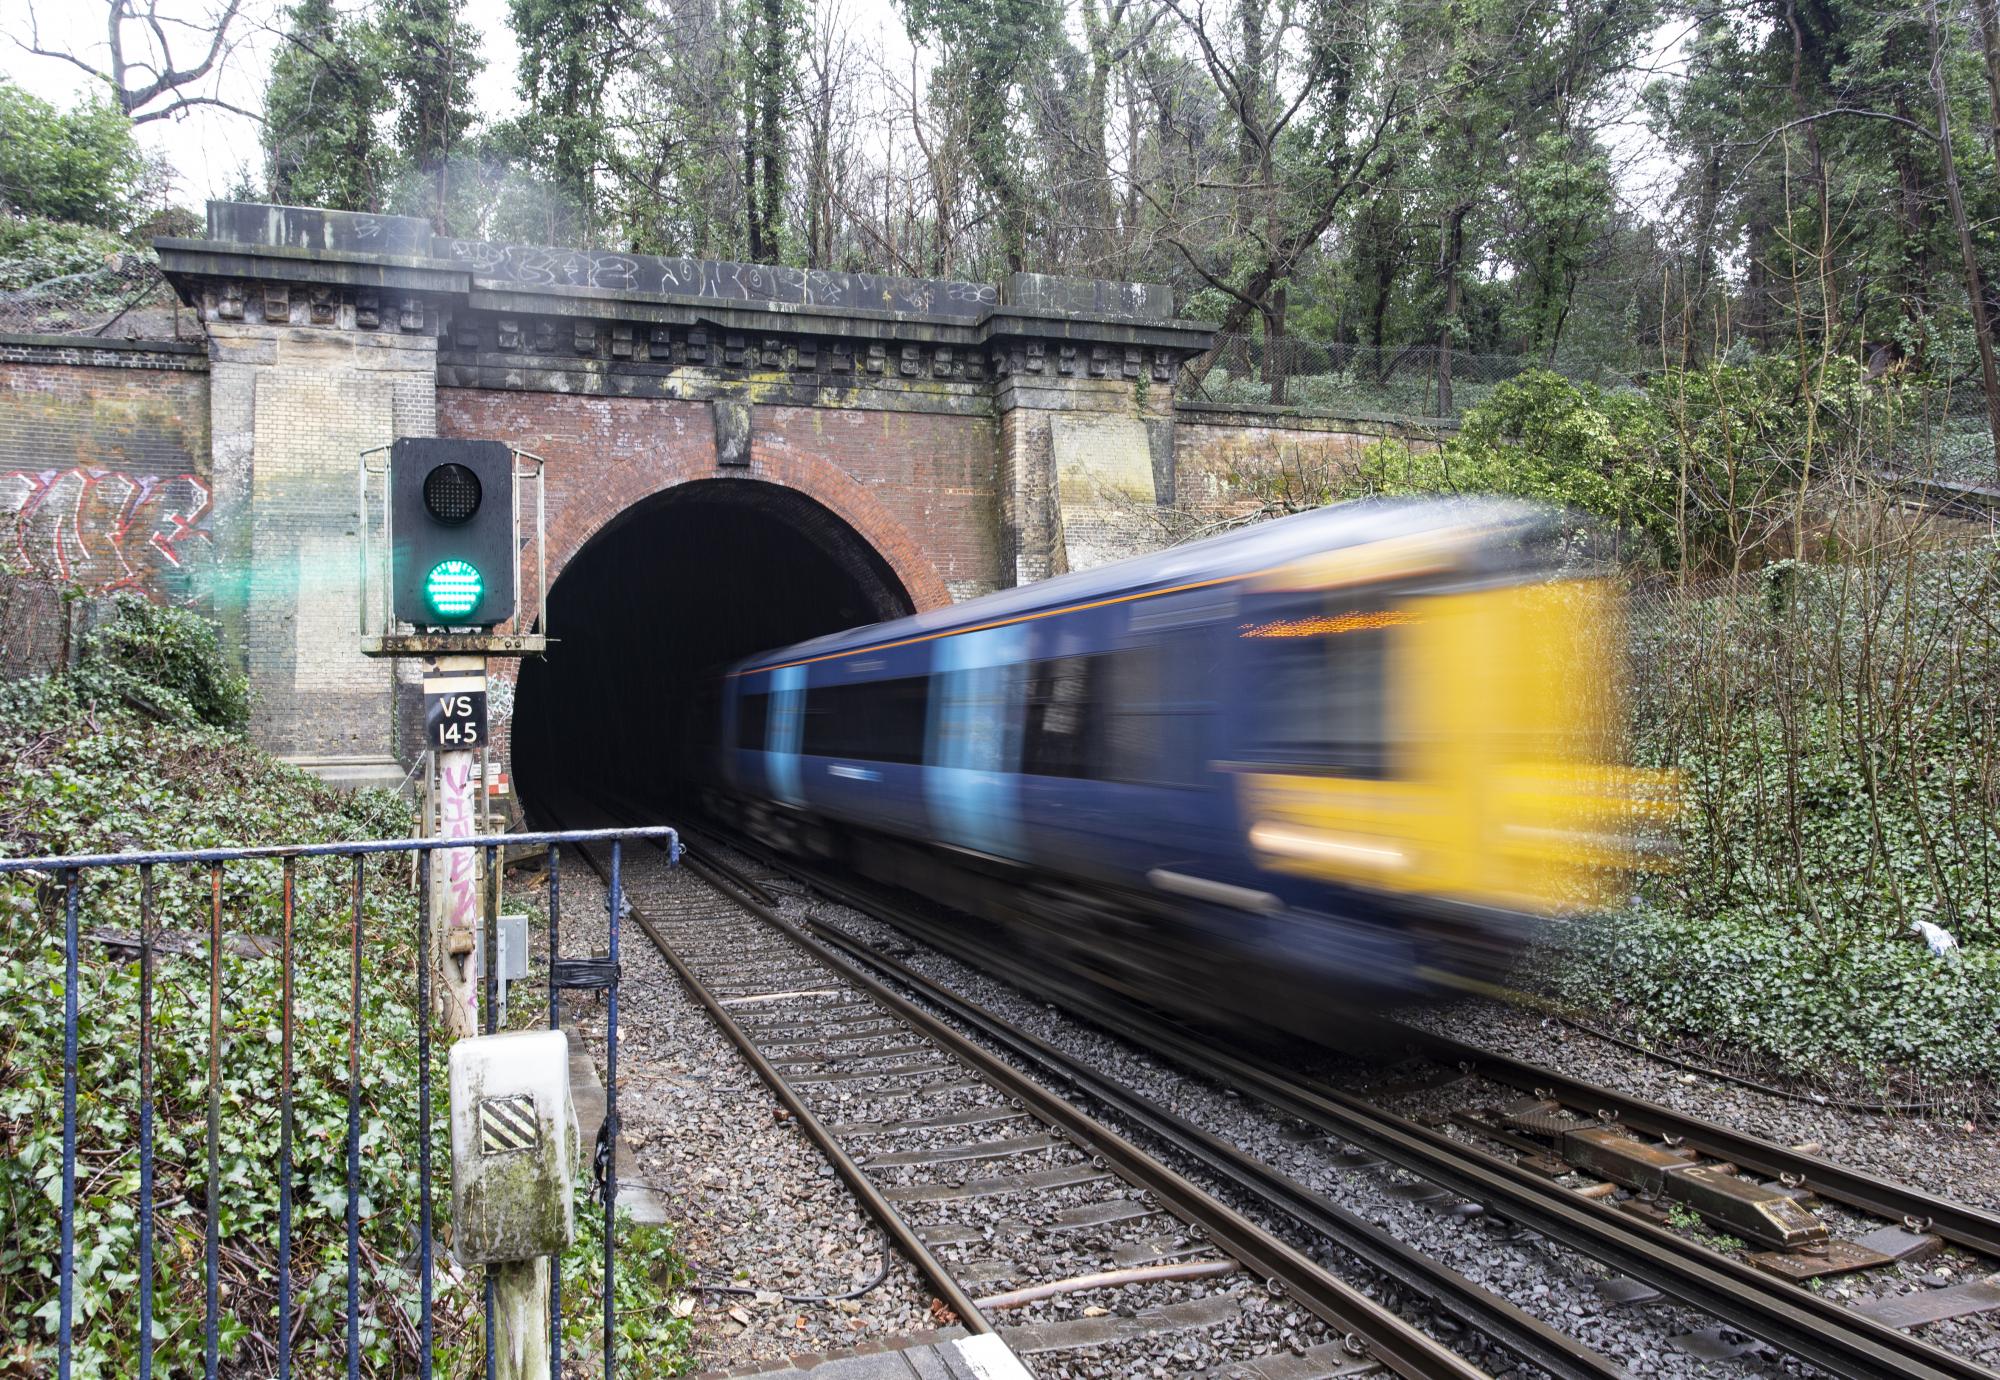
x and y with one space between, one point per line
521 1319
514 1151
455 897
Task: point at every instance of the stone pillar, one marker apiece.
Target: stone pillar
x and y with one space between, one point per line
1084 392
292 407
1086 464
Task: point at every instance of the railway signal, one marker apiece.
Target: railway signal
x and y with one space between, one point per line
452 545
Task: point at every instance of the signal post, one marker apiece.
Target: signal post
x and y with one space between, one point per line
451 533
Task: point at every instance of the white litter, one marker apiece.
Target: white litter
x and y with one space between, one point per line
1940 940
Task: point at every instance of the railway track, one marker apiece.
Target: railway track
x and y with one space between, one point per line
1028 1216
1759 1302
1557 1097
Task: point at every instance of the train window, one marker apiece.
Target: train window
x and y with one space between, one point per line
1322 700
1150 738
753 721
1062 717
873 720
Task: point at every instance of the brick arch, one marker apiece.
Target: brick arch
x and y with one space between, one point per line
837 512
607 456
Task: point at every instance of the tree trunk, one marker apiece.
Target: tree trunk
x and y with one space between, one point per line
1096 122
1975 289
1987 14
1249 114
771 135
1451 250
1276 362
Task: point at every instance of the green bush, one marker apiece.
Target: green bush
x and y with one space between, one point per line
34 251
164 661
1706 469
1542 437
78 165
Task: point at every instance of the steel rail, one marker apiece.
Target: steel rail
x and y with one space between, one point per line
864 1189
1803 1323
1799 1321
1520 1332
1286 1270
1968 1226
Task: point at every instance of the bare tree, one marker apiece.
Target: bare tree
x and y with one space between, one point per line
138 58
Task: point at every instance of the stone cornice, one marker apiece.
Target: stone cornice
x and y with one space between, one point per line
499 328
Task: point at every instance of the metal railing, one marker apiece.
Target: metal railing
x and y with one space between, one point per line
73 873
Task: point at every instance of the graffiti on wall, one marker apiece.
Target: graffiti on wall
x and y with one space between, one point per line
110 530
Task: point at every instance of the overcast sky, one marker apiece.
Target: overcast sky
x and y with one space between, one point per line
209 147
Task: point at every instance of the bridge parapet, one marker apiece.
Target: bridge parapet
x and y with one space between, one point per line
640 325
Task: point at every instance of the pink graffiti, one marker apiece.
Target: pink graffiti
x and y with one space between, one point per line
455 821
110 530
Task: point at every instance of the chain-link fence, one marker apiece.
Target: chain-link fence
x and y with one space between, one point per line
126 298
1946 433
1410 381
1943 432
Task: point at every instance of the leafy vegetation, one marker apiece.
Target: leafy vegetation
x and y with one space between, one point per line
1542 437
163 661
1708 469
34 252
79 165
81 770
1831 718
1833 728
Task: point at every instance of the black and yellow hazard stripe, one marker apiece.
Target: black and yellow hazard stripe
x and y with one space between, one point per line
507 1124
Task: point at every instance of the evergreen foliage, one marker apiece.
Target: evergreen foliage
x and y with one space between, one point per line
328 90
78 165
163 661
77 777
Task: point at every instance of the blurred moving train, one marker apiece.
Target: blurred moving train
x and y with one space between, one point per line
1336 760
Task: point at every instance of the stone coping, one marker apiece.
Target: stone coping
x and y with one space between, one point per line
362 249
121 344
1202 413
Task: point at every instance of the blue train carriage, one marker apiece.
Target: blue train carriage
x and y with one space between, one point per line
1343 757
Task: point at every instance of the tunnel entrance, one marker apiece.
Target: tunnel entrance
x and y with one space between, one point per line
619 718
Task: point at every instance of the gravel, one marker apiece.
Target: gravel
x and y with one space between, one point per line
1958 1158
1549 1281
1944 1155
755 1200
758 1198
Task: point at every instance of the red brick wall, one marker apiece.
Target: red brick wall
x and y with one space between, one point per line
917 487
104 474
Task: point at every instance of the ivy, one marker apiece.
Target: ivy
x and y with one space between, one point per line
164 661
1832 730
83 776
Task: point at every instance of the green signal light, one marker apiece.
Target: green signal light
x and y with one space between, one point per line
453 589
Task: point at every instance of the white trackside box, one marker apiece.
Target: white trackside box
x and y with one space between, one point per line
513 1147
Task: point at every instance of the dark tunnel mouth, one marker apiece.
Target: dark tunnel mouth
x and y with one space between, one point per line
617 722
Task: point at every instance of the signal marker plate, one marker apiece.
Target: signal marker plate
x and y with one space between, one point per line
507 1125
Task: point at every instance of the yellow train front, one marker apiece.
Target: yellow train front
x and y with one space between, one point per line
1338 760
